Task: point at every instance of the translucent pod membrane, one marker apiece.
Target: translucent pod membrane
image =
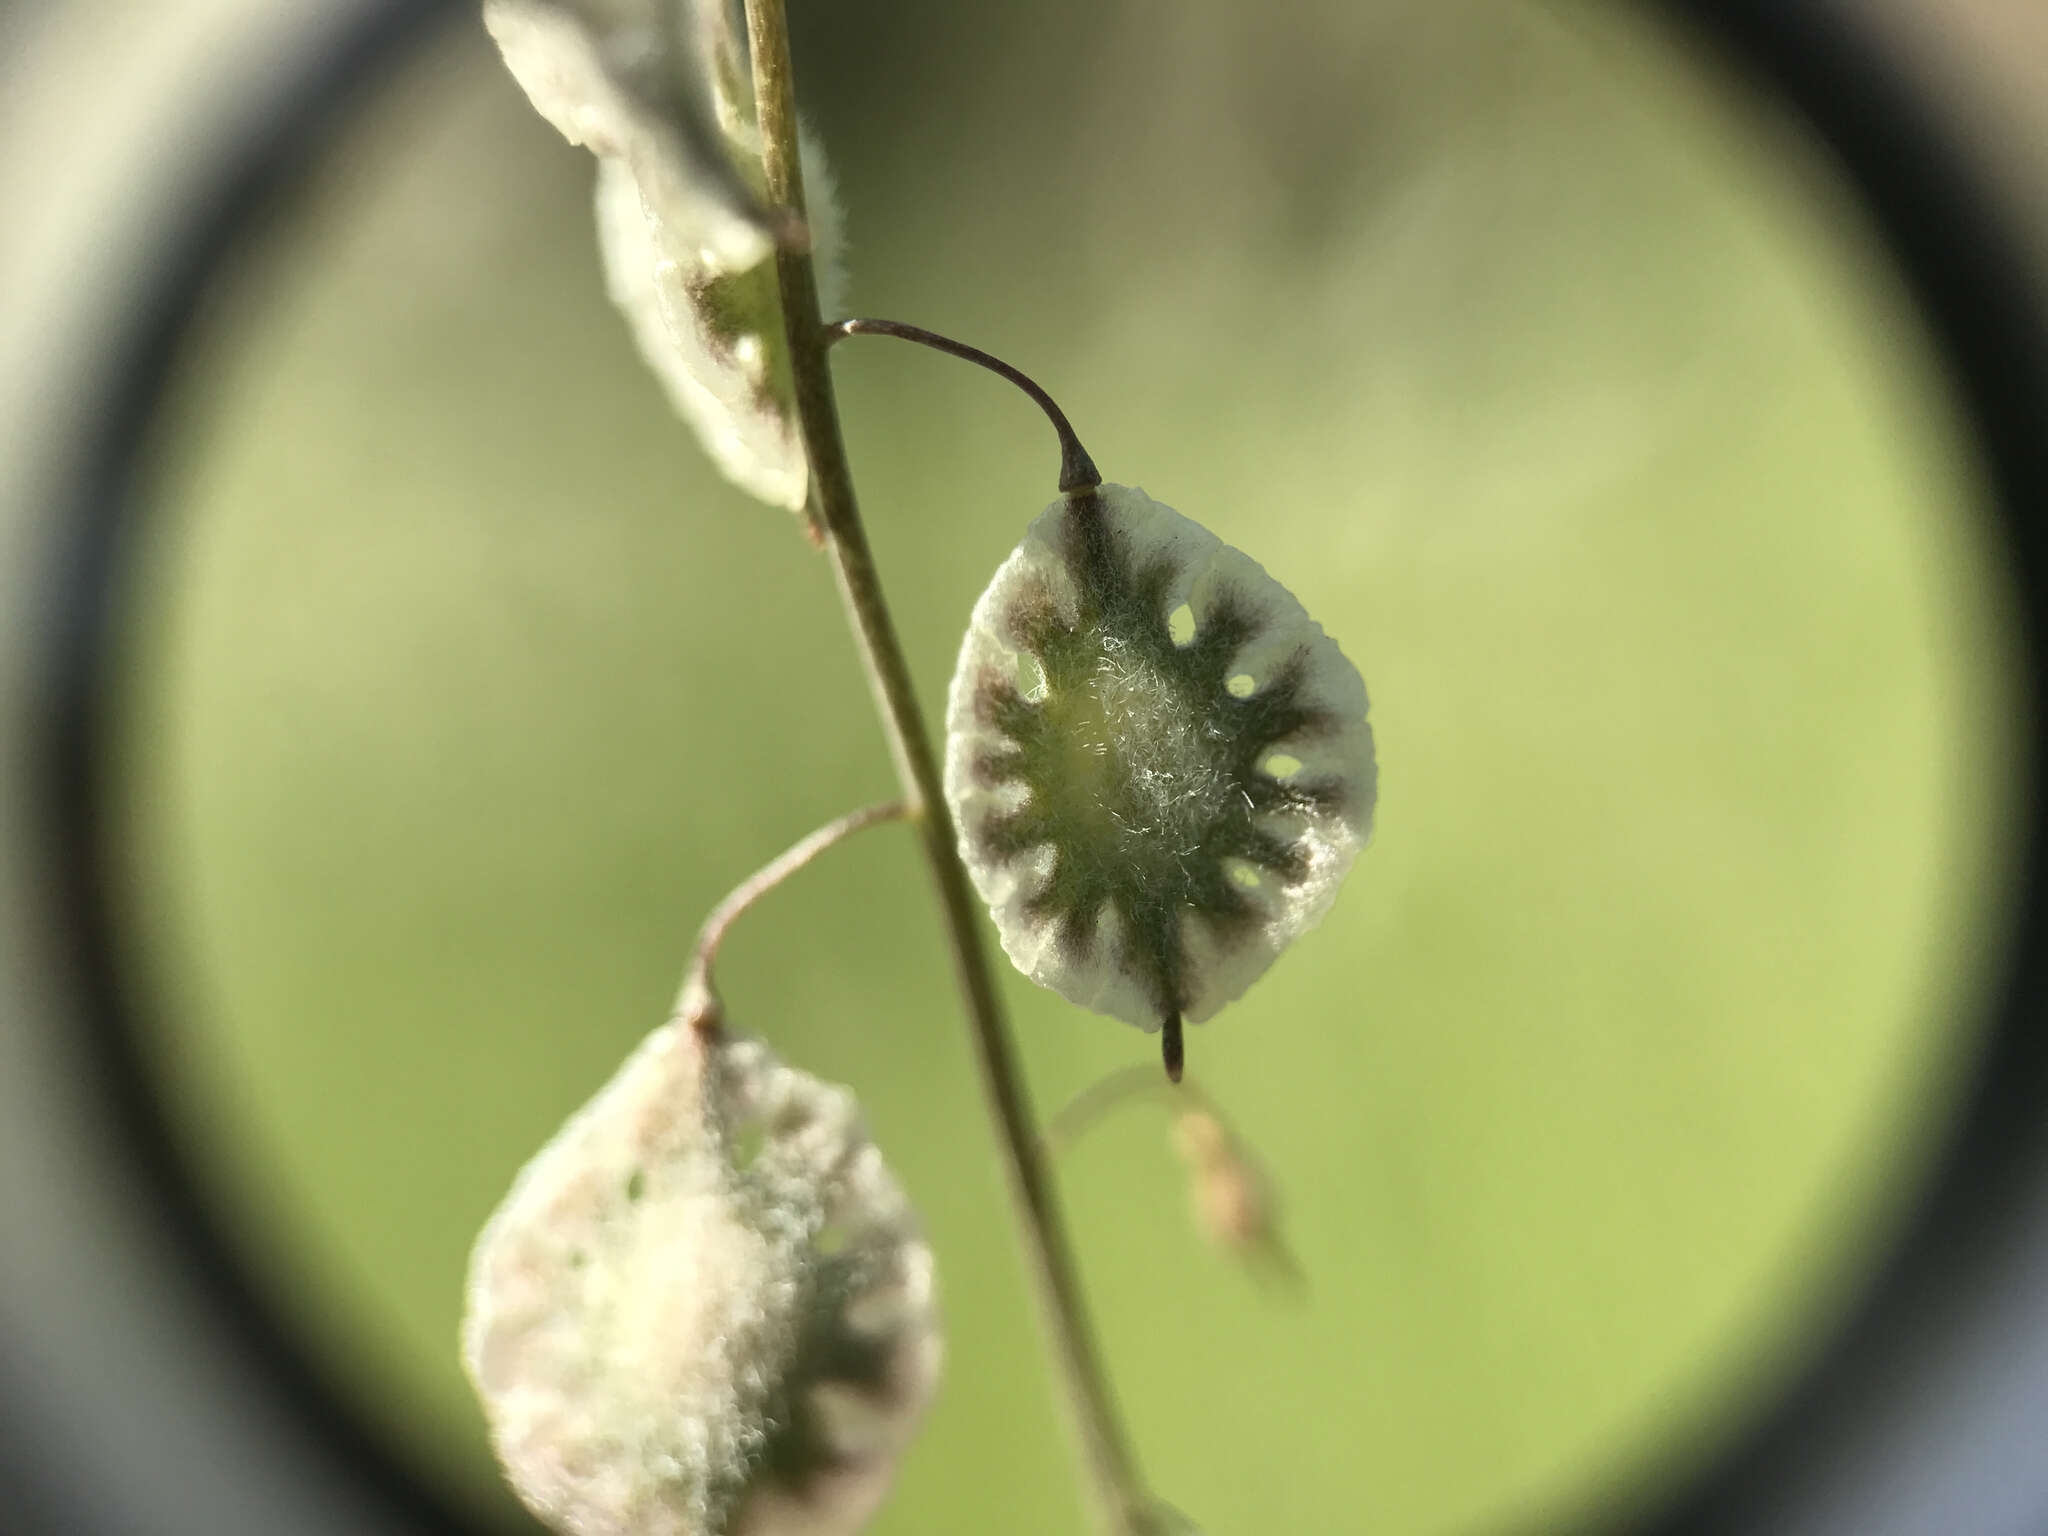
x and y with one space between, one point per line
705 1309
1159 763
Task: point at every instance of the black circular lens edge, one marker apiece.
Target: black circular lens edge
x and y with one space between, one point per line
107 492
1965 269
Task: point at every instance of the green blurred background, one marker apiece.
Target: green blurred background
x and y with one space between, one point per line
1553 376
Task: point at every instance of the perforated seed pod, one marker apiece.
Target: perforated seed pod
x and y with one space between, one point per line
705 1309
624 79
1159 764
663 104
714 338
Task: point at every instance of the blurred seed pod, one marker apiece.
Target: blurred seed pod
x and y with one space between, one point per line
1233 1207
639 82
705 1308
1230 1196
682 230
1159 763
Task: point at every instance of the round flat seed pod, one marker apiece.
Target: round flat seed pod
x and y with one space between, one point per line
705 1308
618 77
1158 762
682 235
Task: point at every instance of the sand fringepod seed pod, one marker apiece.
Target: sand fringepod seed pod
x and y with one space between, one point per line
682 229
714 338
1159 763
631 84
705 1309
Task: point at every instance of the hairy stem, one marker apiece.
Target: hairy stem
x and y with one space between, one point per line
1123 1504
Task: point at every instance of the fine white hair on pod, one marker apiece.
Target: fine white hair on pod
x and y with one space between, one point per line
1185 783
705 1308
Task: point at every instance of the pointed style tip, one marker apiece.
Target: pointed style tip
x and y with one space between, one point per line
1077 471
1171 1047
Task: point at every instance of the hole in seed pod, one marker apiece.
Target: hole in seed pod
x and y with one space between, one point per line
1244 875
832 1238
636 1185
1180 625
1282 765
1031 681
1241 686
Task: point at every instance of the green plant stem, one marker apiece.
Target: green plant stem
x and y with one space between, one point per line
1124 1506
